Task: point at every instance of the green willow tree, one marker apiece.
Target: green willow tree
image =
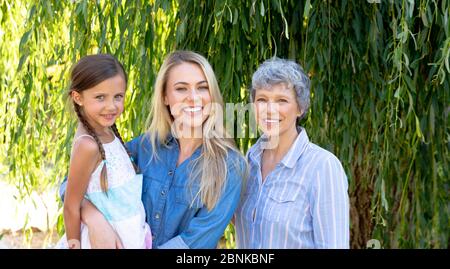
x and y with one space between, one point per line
380 89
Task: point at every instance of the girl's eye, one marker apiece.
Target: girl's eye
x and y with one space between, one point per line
100 97
181 89
203 88
120 96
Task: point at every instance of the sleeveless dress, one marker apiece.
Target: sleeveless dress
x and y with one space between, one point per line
121 205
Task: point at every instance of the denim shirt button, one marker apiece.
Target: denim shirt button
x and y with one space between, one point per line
163 193
157 216
170 173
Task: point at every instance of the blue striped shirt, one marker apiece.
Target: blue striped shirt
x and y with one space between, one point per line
302 203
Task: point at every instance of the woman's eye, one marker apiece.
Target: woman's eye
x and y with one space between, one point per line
260 100
181 89
203 88
283 101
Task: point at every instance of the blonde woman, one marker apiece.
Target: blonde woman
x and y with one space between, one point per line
192 174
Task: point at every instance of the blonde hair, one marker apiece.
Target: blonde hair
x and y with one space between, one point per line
211 165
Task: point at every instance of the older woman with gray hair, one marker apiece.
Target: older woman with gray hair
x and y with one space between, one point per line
296 195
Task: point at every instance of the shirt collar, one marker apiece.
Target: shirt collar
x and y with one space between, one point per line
291 157
172 141
297 149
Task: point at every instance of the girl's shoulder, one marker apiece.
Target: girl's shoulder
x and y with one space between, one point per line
84 137
84 141
85 146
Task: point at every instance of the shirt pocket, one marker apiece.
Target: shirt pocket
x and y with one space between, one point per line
282 206
188 196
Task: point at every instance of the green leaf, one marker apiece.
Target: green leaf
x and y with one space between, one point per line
418 129
398 92
446 58
384 202
307 9
262 10
25 38
22 60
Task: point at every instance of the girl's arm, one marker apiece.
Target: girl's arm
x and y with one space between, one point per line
85 156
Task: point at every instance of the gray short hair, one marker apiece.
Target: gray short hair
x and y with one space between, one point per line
275 71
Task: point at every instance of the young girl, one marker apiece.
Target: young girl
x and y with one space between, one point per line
101 169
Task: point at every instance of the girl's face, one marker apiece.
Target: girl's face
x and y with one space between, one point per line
103 103
187 95
276 109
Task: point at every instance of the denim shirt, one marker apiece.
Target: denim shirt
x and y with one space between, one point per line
176 219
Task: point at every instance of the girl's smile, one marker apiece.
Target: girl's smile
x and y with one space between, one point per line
109 117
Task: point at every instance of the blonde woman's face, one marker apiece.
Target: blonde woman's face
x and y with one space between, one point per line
187 94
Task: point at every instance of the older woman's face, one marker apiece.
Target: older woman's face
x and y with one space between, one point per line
187 94
276 109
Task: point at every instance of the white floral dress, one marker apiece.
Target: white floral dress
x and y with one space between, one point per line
122 205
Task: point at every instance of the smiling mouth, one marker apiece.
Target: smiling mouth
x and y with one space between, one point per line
192 109
109 116
271 120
